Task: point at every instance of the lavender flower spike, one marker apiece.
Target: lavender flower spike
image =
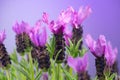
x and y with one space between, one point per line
110 55
78 64
2 36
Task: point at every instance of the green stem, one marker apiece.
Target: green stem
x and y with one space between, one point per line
31 66
7 74
58 71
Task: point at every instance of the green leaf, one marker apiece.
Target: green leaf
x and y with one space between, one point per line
78 44
69 77
112 76
23 72
51 46
38 75
57 54
13 57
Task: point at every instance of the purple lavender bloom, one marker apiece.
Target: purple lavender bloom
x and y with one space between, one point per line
39 39
65 16
81 15
2 36
20 28
63 19
61 25
96 47
78 64
110 54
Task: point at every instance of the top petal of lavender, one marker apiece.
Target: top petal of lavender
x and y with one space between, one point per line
90 42
72 62
78 64
43 37
2 36
66 16
67 35
45 18
100 46
81 15
20 28
38 38
110 54
97 48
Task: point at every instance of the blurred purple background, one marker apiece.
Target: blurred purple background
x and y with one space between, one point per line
105 18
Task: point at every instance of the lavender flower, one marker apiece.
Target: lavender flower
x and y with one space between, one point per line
39 52
96 47
77 18
22 36
110 55
78 64
60 31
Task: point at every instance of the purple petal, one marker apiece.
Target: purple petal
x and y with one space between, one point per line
66 15
43 37
16 28
34 37
45 18
20 28
2 36
45 76
90 42
83 13
100 46
78 64
67 35
72 62
25 27
51 26
110 54
84 62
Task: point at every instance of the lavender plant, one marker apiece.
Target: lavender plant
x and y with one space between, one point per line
57 56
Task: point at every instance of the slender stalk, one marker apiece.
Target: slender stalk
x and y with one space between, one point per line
58 75
31 66
8 75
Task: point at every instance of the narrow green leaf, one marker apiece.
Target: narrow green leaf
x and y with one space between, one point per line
38 75
70 77
23 72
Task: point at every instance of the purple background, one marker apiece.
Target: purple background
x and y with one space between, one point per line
105 18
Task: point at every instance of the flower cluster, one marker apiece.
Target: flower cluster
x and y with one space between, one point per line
62 54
